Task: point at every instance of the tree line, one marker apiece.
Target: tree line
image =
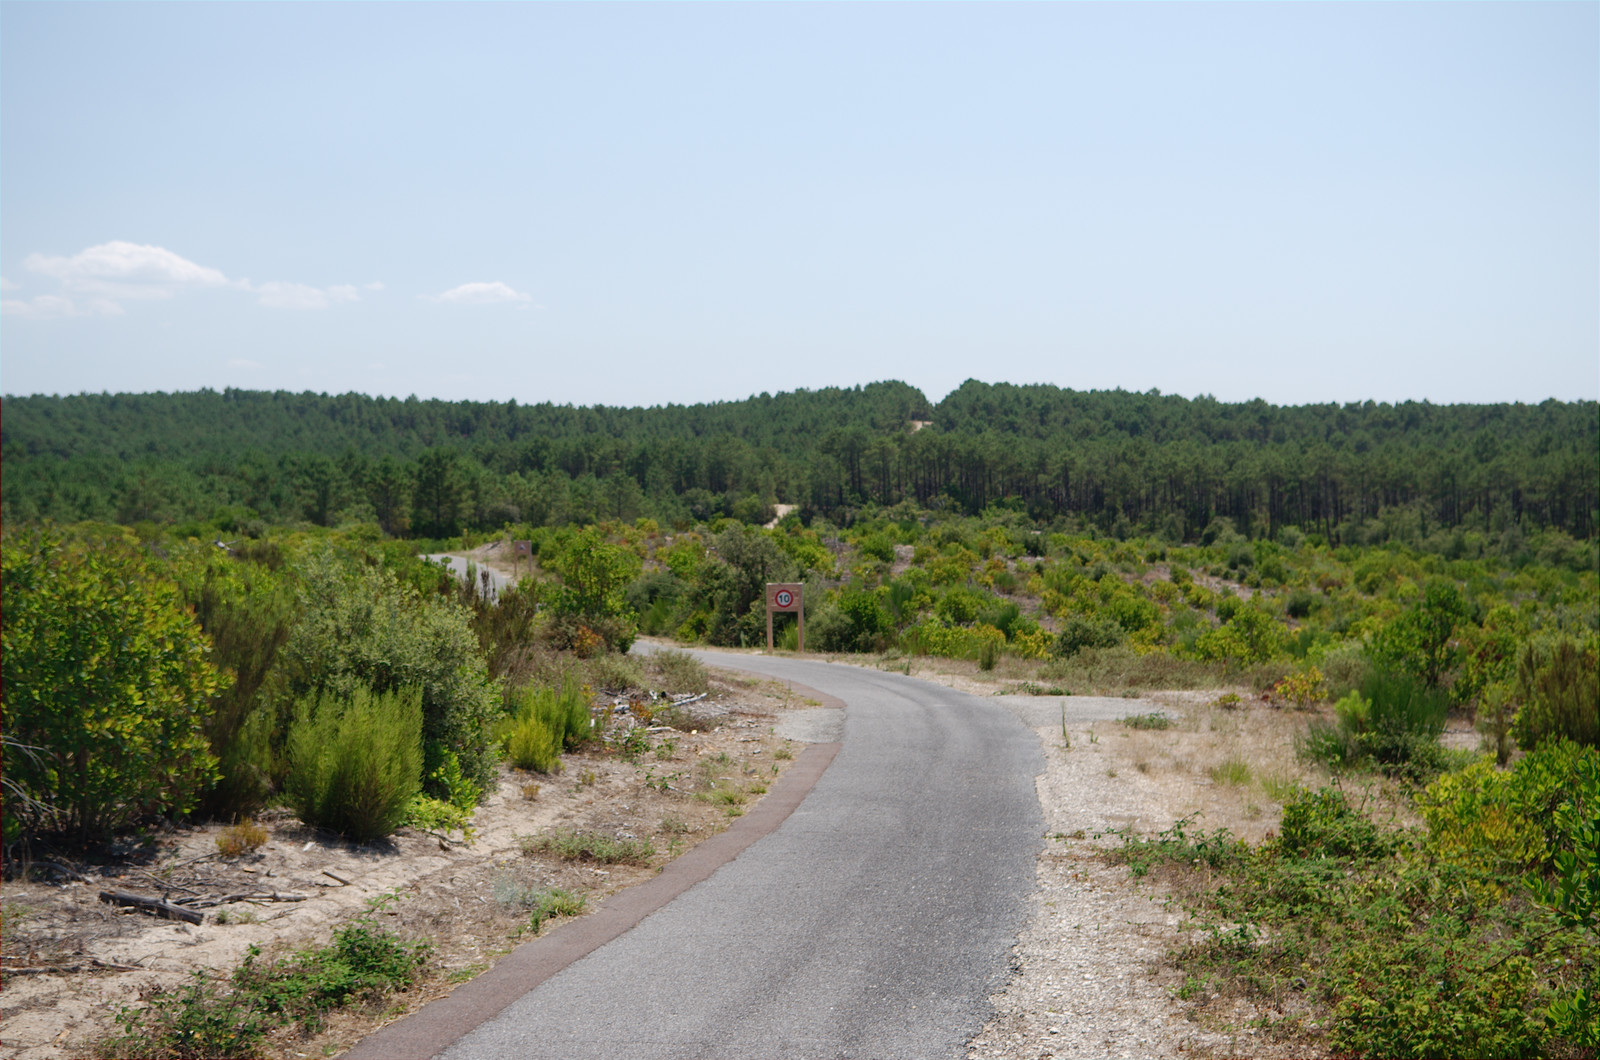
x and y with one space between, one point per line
1119 461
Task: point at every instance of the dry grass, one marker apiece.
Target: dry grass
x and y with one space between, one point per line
1235 765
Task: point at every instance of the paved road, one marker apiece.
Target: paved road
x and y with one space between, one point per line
458 567
874 922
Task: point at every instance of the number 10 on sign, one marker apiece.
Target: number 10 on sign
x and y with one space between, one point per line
785 596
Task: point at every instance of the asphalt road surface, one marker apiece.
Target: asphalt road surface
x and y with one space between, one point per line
458 567
874 922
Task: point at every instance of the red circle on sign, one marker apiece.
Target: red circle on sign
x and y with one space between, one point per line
784 598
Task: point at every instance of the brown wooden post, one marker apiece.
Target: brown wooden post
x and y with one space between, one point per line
786 596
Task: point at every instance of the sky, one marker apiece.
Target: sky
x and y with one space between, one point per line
642 204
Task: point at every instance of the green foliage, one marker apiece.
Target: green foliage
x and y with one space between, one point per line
1323 824
355 762
105 687
1421 642
208 1019
1559 688
544 722
680 673
858 623
1249 635
571 844
1092 631
594 574
247 610
539 903
1152 720
361 628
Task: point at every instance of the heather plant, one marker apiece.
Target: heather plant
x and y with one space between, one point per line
356 761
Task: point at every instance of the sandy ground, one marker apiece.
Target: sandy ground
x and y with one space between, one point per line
70 961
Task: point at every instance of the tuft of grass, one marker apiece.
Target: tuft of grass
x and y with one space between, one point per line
539 903
1231 770
570 844
1153 720
242 838
784 753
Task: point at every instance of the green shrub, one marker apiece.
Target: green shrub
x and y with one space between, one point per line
355 762
1559 688
208 1019
362 628
1152 720
546 721
104 687
1323 824
1092 631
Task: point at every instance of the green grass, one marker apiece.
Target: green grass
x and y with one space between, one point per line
570 844
1153 720
1231 770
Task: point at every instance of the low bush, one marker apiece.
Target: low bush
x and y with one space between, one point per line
239 839
680 673
1392 724
1559 686
545 722
212 1018
355 762
1152 720
539 903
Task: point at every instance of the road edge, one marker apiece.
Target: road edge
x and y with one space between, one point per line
434 1027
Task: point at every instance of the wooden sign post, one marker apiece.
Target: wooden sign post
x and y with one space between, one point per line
518 550
785 596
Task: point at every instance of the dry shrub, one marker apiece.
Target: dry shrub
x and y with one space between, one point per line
242 838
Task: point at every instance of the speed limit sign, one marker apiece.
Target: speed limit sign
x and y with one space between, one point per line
785 596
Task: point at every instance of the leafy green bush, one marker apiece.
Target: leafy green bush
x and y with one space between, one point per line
362 628
1087 631
1323 824
104 687
355 762
1559 686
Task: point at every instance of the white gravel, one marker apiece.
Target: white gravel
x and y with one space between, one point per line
1087 980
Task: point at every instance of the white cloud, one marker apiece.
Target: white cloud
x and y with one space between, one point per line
41 307
483 294
99 279
7 285
375 285
120 271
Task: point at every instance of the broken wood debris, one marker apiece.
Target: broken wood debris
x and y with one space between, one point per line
153 905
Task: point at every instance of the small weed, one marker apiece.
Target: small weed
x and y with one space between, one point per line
1153 720
540 903
674 826
235 916
1111 772
1231 770
530 791
666 749
470 971
573 845
1228 701
784 753
587 778
242 838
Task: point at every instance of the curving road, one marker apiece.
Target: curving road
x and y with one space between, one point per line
875 921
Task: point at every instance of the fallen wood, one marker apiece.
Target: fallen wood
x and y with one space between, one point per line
253 896
114 966
153 905
334 875
74 874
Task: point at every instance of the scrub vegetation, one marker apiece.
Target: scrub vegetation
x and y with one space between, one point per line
257 629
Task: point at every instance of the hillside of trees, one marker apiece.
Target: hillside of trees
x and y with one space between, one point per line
1115 461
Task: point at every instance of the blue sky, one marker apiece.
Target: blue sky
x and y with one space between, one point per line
640 204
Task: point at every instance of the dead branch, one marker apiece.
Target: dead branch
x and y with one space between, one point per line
335 876
153 905
254 896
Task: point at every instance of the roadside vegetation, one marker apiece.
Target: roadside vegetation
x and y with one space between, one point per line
264 633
